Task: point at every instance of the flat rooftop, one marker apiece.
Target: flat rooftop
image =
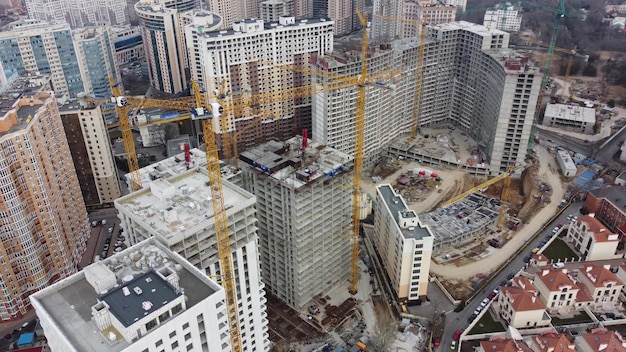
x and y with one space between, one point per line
266 25
69 302
180 206
175 165
128 306
398 207
574 113
295 166
468 214
15 102
469 26
514 61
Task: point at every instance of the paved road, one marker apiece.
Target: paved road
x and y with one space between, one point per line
555 139
459 321
612 146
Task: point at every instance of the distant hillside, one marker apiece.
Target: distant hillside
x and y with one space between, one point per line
591 35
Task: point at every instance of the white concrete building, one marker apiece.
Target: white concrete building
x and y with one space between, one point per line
404 244
178 212
232 11
79 13
304 212
247 59
505 17
90 145
568 168
273 10
592 239
145 298
176 165
571 117
457 3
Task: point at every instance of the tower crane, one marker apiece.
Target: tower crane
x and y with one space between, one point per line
419 69
359 127
559 15
205 112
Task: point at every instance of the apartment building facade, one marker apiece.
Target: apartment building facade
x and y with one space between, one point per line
304 216
162 304
505 17
404 244
604 286
35 46
128 44
592 239
95 53
246 60
90 146
604 204
341 12
560 291
79 13
43 217
161 26
178 212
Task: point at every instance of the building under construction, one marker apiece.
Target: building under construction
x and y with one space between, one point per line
461 222
304 211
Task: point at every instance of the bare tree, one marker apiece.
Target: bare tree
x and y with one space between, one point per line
385 332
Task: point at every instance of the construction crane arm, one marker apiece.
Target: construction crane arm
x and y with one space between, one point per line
482 185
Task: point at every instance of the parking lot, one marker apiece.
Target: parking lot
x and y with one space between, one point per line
106 238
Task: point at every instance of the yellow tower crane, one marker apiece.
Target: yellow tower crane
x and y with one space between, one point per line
359 126
205 112
419 69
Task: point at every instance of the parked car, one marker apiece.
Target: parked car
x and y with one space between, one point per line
110 230
491 295
471 318
555 230
453 345
94 223
106 247
477 311
558 265
484 302
436 342
104 221
457 334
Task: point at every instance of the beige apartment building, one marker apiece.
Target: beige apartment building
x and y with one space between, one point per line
43 220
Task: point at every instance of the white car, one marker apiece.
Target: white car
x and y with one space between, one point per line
558 265
555 230
484 302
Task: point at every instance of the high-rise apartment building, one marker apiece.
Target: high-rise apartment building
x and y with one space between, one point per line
461 4
79 13
388 104
43 220
491 90
470 80
90 146
178 212
273 10
402 20
304 216
96 59
234 11
128 44
164 42
505 17
145 298
36 46
339 11
247 59
404 244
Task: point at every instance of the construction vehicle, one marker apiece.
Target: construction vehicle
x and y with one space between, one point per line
200 110
485 184
559 15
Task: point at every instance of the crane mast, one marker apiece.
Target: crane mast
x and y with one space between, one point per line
359 127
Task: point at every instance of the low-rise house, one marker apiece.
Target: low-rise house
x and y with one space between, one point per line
600 340
592 239
602 284
559 291
503 345
520 306
552 342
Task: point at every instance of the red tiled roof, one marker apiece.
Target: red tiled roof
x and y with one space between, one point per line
592 223
523 295
599 276
583 295
553 342
602 340
554 279
507 345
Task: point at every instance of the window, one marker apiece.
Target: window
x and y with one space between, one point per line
172 334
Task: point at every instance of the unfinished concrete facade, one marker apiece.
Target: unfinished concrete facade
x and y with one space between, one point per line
178 212
304 212
404 243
